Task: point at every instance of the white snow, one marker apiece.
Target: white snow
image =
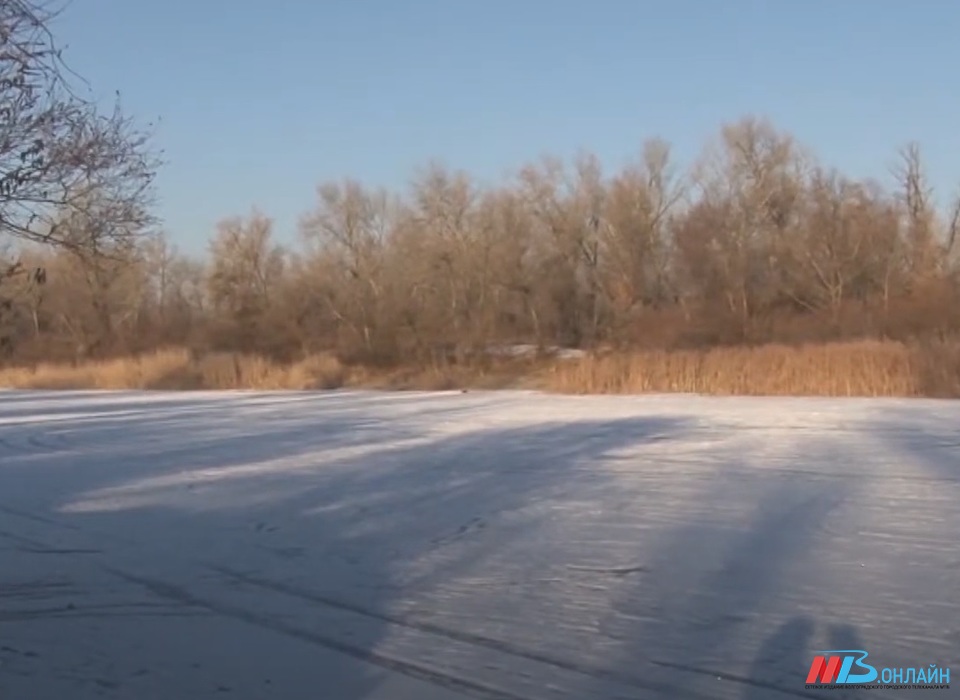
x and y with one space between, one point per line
421 546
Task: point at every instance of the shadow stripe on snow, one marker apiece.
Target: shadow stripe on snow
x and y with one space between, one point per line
495 644
407 668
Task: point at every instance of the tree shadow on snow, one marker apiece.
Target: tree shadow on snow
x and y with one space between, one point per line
556 553
372 543
785 658
719 581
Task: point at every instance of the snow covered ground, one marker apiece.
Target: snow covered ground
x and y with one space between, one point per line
428 546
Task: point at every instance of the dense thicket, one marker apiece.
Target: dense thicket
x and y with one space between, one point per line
72 178
757 241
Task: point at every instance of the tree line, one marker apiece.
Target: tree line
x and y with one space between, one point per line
756 242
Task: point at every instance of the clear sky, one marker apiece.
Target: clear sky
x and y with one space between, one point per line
261 101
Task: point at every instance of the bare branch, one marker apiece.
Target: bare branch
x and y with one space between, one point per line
953 226
59 156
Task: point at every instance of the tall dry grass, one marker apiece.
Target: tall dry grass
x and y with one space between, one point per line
864 368
180 369
867 368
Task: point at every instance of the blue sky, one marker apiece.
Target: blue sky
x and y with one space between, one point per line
262 101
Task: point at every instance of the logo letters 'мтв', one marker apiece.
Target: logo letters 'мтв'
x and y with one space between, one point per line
830 668
824 670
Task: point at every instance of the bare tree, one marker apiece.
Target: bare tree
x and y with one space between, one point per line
838 250
635 234
444 211
916 196
246 267
112 282
750 187
953 227
345 235
59 156
567 211
22 287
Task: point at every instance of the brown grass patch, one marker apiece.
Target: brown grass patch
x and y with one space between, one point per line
180 369
865 368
